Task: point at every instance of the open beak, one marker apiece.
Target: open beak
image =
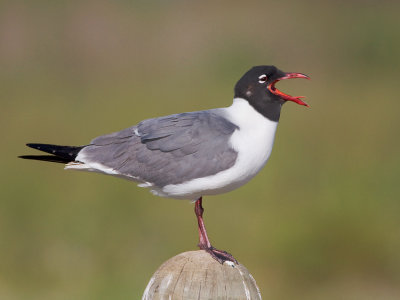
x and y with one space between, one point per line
297 99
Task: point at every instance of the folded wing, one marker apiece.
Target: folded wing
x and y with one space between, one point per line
167 150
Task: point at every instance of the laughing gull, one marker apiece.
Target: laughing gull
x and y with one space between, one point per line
193 154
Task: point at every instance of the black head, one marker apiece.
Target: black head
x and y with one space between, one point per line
257 86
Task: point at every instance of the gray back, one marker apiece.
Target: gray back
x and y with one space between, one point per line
168 150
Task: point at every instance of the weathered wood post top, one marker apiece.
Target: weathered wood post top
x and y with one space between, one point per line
196 275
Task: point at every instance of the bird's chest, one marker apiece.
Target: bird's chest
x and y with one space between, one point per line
254 146
253 140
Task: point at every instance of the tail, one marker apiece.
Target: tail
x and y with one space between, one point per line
60 154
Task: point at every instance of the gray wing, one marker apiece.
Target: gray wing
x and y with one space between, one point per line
167 150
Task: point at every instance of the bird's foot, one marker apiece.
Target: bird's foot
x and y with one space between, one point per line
220 256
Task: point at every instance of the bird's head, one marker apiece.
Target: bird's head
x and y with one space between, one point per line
257 86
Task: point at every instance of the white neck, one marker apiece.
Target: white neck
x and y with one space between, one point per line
253 140
243 114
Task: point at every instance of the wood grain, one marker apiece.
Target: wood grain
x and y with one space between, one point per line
196 275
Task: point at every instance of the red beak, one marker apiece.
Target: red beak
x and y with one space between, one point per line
274 90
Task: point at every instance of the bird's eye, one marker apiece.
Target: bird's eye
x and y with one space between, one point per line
263 78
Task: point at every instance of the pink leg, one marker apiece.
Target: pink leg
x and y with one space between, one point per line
204 243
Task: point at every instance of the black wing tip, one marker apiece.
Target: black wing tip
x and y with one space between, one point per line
58 153
37 145
48 158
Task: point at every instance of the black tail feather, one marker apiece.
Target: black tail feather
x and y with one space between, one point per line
49 158
60 154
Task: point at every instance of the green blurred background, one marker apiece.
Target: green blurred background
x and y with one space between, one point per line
320 222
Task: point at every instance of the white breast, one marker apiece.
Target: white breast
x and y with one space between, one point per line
253 141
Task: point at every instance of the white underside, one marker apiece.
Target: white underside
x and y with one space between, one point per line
253 142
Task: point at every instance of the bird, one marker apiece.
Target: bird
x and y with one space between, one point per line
193 154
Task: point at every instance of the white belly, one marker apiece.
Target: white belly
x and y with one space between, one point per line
253 141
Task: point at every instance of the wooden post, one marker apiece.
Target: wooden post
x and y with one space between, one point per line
196 275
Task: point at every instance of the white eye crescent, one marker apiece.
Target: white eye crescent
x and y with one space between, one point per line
263 78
